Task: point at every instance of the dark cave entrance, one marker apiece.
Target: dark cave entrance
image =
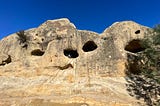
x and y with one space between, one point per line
71 53
37 52
134 46
137 32
89 46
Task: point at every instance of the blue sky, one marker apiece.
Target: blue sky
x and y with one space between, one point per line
93 15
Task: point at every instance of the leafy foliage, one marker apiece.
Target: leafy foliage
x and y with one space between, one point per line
146 84
151 56
156 38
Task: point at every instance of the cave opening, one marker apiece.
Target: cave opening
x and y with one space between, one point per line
137 32
37 52
89 46
134 46
70 53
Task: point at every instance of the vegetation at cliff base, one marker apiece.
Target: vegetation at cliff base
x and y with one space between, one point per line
145 84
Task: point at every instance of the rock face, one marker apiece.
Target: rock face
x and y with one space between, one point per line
59 65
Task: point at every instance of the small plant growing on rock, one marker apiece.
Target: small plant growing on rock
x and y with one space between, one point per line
23 39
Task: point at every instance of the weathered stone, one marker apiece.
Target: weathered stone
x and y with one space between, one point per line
56 64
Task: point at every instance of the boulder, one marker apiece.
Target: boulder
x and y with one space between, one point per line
56 64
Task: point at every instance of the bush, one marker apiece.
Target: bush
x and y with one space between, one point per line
151 56
146 84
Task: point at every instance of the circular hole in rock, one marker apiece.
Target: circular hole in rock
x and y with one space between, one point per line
137 32
134 46
89 46
37 52
42 39
71 53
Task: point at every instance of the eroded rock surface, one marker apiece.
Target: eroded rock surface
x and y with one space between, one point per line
59 65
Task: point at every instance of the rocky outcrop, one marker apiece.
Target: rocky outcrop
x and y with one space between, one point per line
59 65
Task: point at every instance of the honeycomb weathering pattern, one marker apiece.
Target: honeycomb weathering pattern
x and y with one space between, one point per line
67 64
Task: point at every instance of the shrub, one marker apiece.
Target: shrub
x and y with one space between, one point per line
146 84
22 37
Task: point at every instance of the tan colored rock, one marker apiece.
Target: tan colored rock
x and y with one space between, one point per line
58 65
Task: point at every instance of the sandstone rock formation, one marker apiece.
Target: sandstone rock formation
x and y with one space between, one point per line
59 65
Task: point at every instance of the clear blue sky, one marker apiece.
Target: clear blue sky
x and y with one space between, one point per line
93 15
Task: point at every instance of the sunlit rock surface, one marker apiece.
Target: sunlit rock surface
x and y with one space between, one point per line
56 64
